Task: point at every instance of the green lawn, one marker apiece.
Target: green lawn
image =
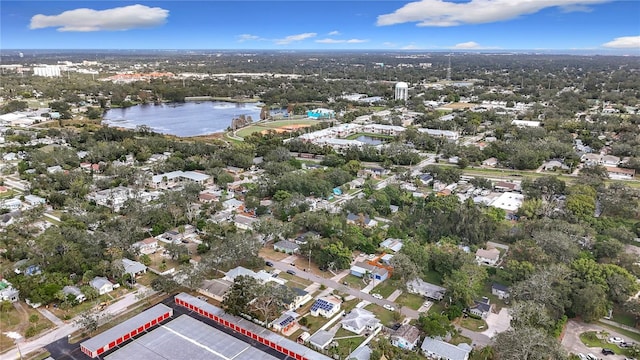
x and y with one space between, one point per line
295 281
386 288
257 127
629 334
412 301
386 317
433 277
459 339
622 317
353 281
436 308
472 324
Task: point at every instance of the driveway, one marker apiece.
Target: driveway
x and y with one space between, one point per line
571 341
497 323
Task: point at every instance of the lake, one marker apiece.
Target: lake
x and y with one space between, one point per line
182 119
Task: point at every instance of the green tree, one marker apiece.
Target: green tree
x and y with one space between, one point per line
464 284
435 325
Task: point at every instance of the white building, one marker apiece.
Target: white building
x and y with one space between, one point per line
402 91
508 201
46 71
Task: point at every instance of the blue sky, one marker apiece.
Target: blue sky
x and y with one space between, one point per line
595 25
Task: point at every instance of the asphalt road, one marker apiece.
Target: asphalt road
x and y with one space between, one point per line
572 343
478 339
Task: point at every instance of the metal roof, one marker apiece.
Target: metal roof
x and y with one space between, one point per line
126 327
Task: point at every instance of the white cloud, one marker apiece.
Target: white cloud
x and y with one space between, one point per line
248 37
120 18
291 38
334 33
340 41
624 42
467 45
410 47
446 13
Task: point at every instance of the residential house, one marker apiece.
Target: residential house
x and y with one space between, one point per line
11 204
361 353
173 178
34 200
490 162
262 276
428 290
286 322
244 222
286 246
392 244
146 246
616 173
406 337
361 269
481 307
591 159
499 290
321 339
361 220
232 204
505 186
425 179
75 292
102 284
8 292
326 306
207 197
54 169
554 164
133 268
300 298
304 238
440 350
360 320
487 257
609 160
215 289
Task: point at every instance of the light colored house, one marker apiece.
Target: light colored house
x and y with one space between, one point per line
34 200
321 339
428 290
361 220
491 162
244 222
262 276
487 257
102 284
173 178
326 306
75 292
286 322
440 350
406 337
8 292
133 268
215 289
617 173
301 297
481 307
361 269
286 246
146 246
11 204
392 244
499 290
360 320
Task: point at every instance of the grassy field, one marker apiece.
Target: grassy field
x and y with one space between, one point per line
412 301
257 127
354 281
628 334
386 317
472 324
386 288
375 136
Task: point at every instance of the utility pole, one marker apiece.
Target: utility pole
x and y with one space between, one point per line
309 267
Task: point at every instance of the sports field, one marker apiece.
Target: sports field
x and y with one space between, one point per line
279 126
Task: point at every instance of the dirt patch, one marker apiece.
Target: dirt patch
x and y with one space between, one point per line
285 129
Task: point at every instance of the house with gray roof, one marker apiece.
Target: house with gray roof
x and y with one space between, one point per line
360 320
438 349
321 339
102 284
133 268
423 288
286 246
406 337
75 292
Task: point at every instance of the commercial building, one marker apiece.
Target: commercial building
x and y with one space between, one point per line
246 328
401 91
122 332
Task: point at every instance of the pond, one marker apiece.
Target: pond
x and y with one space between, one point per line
370 140
182 119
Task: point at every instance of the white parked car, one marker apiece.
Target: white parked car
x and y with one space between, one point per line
377 296
388 307
616 340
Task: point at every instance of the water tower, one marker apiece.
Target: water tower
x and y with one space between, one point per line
402 91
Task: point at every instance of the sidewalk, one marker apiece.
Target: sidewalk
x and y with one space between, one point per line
49 315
